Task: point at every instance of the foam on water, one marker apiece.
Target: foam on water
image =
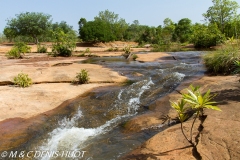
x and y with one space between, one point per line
69 137
179 76
133 103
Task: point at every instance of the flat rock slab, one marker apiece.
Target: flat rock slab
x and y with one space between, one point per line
51 71
151 56
37 99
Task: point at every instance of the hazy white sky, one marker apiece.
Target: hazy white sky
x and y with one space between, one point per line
148 12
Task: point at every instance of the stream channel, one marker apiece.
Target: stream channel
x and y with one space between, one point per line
97 127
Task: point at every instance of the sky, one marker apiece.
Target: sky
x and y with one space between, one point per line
147 12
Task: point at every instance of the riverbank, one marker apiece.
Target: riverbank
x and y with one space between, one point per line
25 111
219 139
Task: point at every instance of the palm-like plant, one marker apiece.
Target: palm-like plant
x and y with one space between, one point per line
196 101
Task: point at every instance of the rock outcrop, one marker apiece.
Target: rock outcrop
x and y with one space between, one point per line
219 137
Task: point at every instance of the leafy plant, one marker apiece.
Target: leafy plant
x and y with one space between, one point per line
82 77
22 80
22 47
61 50
18 49
134 57
14 54
193 100
87 50
127 49
41 48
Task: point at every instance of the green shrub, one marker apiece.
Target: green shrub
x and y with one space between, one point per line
64 43
222 61
61 50
193 100
14 54
17 50
82 77
22 80
41 48
134 57
127 49
22 47
206 36
87 50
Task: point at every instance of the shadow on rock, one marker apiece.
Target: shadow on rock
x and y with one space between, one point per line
222 97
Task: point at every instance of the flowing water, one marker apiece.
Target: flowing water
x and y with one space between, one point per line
97 127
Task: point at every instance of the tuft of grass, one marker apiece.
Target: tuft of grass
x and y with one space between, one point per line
222 61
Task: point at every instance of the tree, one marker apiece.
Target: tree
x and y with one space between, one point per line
107 16
105 27
133 31
63 25
81 24
96 31
183 30
10 33
232 28
149 35
206 36
222 12
168 30
31 24
116 26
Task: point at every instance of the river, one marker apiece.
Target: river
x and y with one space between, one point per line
97 127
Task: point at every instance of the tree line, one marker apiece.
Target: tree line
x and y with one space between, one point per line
221 22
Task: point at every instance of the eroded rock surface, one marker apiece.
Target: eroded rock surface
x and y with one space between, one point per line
219 139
